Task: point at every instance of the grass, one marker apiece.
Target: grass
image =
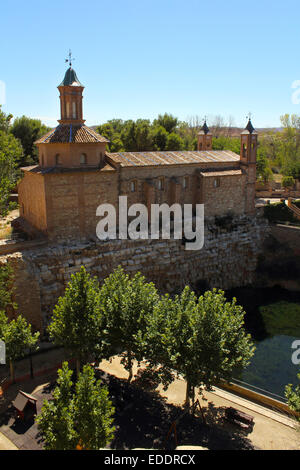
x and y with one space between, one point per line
281 318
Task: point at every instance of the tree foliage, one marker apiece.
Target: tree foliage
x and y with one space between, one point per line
202 339
10 155
293 397
126 304
18 338
28 130
76 320
77 416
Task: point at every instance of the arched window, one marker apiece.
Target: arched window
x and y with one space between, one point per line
57 159
83 159
160 184
74 110
185 182
217 182
133 186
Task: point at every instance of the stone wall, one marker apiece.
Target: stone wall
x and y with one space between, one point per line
228 259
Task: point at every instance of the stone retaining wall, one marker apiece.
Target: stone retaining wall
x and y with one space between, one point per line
228 259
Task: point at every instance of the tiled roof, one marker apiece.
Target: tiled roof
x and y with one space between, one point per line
71 133
221 173
127 159
70 78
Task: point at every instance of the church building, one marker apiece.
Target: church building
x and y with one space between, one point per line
58 197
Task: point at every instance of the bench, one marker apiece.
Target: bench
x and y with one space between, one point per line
237 417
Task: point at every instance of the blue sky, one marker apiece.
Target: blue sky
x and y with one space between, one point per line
140 58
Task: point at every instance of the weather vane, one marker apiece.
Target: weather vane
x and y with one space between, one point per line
70 59
249 116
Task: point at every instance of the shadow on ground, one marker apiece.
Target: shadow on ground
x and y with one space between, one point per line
142 419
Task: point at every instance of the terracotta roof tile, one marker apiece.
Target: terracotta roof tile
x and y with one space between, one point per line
126 159
69 133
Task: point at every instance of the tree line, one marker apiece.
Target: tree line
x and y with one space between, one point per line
278 151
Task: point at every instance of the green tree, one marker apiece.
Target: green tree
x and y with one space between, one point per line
159 137
80 416
28 130
76 320
56 420
126 304
5 121
167 121
128 136
18 338
293 397
288 182
10 155
201 339
92 411
143 136
6 274
174 142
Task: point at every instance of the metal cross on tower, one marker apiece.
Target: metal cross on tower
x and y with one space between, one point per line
70 59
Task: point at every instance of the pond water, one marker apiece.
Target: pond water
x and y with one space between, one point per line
273 320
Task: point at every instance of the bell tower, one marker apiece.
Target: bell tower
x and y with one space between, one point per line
204 138
248 154
71 97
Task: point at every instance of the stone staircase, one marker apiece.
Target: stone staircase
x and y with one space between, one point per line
293 208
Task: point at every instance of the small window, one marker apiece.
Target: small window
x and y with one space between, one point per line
133 186
200 146
83 159
57 159
185 182
160 184
74 109
244 150
216 182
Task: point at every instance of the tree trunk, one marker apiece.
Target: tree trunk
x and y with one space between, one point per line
187 395
129 365
12 371
77 367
